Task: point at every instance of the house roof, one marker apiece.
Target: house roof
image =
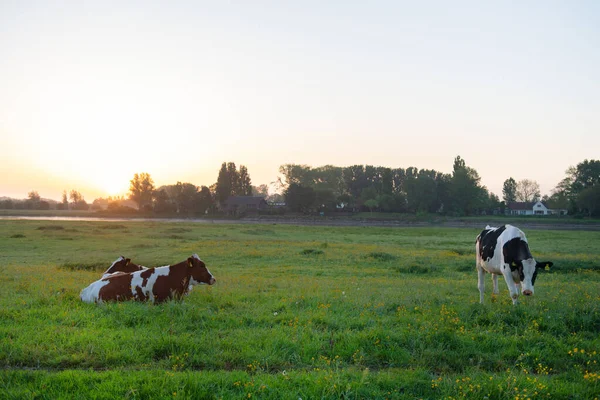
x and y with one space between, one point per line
244 200
524 205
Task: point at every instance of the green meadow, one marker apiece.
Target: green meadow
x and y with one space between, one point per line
298 312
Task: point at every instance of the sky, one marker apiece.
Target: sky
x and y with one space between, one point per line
92 92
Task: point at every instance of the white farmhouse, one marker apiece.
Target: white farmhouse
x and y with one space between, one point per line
532 208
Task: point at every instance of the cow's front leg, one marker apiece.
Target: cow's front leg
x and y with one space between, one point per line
480 282
512 287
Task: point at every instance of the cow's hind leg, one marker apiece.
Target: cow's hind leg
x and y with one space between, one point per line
495 280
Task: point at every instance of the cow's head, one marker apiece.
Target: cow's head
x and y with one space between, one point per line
526 272
120 264
199 273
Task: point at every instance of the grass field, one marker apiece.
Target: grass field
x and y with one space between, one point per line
297 312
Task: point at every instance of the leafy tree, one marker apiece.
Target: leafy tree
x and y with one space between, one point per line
162 202
64 204
186 196
386 202
585 175
588 201
558 200
262 190
356 181
300 198
205 200
245 184
294 173
578 179
75 196
77 201
325 199
223 188
141 190
230 182
6 204
509 191
33 200
528 190
234 179
371 204
34 196
467 194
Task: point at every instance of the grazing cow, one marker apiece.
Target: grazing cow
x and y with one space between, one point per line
153 284
122 265
505 251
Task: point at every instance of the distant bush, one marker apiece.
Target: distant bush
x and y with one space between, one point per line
17 236
381 256
307 252
112 226
92 266
51 228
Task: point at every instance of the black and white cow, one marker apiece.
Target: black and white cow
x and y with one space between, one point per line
505 251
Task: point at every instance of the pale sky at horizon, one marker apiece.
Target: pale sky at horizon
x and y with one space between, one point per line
92 92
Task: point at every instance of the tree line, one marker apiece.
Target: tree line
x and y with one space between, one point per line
354 188
412 190
187 198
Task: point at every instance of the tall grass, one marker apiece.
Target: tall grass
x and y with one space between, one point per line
297 312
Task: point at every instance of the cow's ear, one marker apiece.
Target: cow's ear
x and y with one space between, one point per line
127 261
190 262
545 265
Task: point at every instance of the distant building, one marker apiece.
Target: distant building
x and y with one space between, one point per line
236 205
532 208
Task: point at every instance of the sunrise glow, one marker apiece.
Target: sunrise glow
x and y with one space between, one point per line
95 92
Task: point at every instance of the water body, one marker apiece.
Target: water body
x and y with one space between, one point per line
105 219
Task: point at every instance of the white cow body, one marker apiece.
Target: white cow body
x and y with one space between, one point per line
505 251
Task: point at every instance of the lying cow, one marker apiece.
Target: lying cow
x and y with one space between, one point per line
153 284
505 251
122 265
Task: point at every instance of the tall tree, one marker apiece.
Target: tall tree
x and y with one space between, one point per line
579 186
294 173
509 191
33 200
234 179
65 201
528 190
585 175
77 201
467 193
162 202
223 187
300 198
205 200
141 189
75 196
245 184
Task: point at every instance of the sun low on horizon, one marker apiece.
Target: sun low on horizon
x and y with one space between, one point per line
97 91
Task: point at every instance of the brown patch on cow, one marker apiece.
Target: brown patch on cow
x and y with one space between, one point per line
145 275
139 294
119 288
174 285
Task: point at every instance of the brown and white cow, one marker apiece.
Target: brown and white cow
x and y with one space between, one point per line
151 284
122 265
